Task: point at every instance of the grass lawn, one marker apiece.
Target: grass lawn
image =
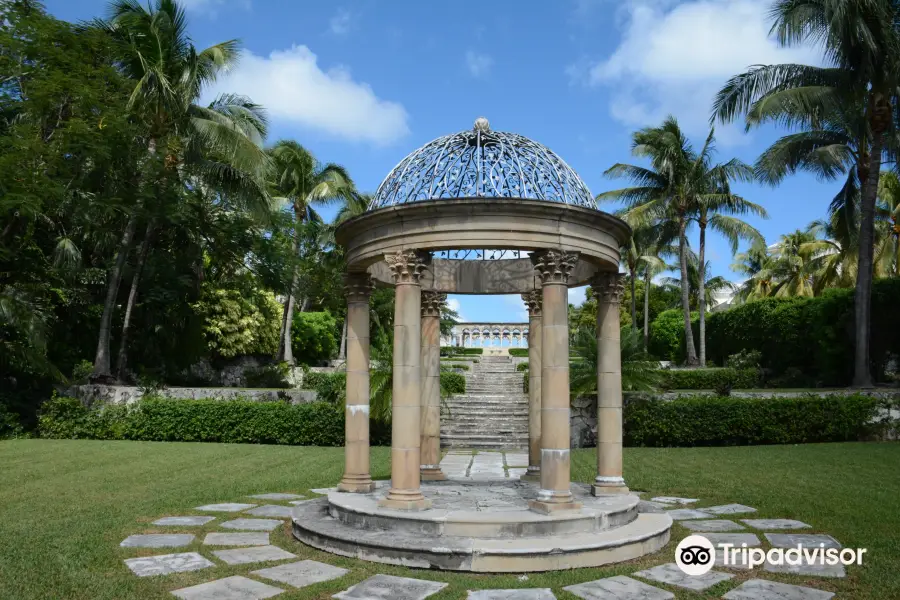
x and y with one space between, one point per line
66 505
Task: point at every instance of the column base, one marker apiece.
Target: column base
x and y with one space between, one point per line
431 473
532 474
549 508
609 486
356 484
409 500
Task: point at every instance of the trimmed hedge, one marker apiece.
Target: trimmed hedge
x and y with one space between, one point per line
726 421
520 352
709 378
522 366
453 383
455 365
809 339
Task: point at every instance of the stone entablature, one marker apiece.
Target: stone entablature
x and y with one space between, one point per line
487 335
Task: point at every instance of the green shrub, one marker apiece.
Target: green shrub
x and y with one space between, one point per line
711 421
331 387
709 378
454 366
520 352
239 322
314 337
68 418
667 336
472 351
522 366
745 359
10 427
452 383
268 376
82 370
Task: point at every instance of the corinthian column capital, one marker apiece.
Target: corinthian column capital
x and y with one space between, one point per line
608 287
554 266
432 302
533 300
358 287
407 265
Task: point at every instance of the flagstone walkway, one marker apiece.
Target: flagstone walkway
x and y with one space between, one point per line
246 541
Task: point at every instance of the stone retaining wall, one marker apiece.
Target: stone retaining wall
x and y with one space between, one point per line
127 394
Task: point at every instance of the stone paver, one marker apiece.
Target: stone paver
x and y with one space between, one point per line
735 539
252 524
816 569
278 496
388 587
225 507
516 459
323 491
809 540
760 589
301 574
241 556
487 465
712 525
516 473
237 539
672 575
165 564
654 504
618 588
729 509
184 521
775 524
230 588
271 510
523 594
296 502
456 465
674 500
681 514
157 540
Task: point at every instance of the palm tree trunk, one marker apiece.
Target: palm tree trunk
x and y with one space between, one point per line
633 274
691 358
647 309
702 292
285 353
132 298
101 370
862 373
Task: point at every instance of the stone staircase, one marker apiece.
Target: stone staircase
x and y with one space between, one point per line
493 413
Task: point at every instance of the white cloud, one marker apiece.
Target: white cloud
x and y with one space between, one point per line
673 57
342 23
479 64
294 89
453 304
519 312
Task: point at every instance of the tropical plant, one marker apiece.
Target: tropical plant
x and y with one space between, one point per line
888 213
300 182
639 372
711 286
683 186
212 147
861 76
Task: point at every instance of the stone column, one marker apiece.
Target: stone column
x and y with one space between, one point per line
533 302
430 469
608 290
358 287
553 267
406 267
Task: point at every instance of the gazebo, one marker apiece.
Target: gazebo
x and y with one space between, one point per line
482 212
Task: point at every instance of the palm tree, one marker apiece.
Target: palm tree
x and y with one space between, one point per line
758 265
715 211
683 186
889 215
639 372
637 255
862 74
794 266
301 182
711 286
219 145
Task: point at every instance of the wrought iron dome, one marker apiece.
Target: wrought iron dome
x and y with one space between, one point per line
481 163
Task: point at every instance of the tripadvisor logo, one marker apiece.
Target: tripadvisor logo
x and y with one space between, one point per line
696 555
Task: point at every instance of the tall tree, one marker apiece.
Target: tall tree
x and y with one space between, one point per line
862 72
302 183
888 212
219 144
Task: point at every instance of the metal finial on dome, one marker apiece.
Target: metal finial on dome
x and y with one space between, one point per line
482 124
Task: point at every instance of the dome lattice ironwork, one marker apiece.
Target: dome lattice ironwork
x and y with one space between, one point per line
481 163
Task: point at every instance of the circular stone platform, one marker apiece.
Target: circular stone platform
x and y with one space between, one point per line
482 526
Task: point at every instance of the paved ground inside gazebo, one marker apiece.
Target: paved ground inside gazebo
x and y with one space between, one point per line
240 537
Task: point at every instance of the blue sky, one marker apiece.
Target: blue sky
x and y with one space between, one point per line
363 83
